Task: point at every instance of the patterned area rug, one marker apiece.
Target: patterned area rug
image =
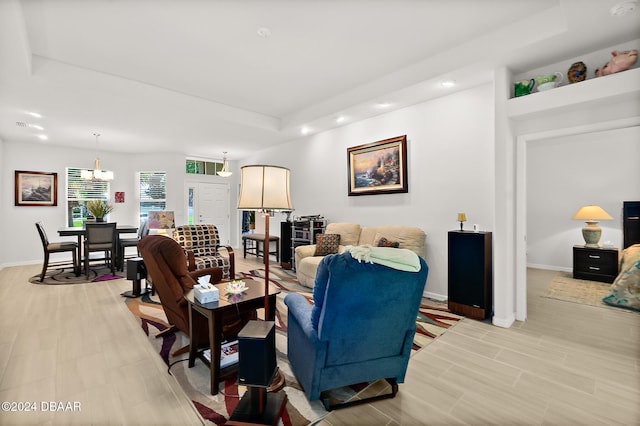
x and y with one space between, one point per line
433 320
67 276
564 287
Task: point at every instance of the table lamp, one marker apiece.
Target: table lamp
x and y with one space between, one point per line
462 217
591 215
264 189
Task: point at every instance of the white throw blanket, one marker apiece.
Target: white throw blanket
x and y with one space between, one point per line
401 259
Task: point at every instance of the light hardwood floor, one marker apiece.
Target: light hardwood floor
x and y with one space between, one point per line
567 364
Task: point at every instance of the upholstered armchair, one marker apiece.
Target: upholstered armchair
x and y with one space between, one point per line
166 267
360 327
201 244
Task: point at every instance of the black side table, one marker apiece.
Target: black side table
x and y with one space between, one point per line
595 263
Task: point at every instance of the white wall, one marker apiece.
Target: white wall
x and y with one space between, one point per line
450 166
18 222
566 173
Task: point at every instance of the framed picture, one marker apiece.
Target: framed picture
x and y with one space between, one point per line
379 167
163 219
36 188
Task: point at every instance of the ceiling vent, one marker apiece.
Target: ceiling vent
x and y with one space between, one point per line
624 8
21 124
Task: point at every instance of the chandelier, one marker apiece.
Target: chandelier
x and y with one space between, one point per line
225 172
97 174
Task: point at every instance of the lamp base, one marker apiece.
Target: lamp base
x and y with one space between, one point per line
591 234
278 382
258 408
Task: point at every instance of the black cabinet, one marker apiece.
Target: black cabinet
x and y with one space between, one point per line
595 263
304 231
470 274
286 251
631 223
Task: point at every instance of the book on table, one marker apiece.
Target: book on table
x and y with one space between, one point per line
228 353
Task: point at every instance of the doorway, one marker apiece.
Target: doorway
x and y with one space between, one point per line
208 203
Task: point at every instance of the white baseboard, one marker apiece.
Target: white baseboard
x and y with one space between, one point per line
435 296
22 263
504 322
549 267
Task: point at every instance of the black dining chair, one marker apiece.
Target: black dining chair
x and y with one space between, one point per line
123 243
100 237
56 247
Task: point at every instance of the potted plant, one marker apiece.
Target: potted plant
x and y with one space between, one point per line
99 209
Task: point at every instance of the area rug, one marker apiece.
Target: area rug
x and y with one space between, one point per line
432 321
564 287
63 276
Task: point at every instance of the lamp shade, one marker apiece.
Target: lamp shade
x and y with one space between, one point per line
462 217
588 213
264 188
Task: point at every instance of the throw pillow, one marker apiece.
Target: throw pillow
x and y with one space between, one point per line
327 244
383 242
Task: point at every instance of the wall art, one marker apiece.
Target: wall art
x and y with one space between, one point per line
378 167
36 188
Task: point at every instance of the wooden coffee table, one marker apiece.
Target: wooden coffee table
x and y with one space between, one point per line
228 304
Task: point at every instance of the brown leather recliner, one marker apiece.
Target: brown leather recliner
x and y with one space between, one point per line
166 266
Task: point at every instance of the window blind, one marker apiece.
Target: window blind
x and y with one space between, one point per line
79 189
152 192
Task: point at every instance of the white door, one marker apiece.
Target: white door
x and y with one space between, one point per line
211 206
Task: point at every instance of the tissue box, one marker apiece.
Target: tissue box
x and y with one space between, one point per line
205 295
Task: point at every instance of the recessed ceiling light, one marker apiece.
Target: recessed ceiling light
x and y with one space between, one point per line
264 32
383 104
34 114
43 137
448 83
340 119
305 130
36 126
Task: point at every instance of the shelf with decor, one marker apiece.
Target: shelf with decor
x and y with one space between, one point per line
614 88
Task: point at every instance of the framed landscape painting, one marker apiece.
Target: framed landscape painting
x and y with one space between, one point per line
36 188
379 167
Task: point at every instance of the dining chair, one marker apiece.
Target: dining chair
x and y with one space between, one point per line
56 247
100 237
123 243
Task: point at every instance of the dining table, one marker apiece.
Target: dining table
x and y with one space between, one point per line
80 232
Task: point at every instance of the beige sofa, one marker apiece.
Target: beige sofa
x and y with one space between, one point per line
352 234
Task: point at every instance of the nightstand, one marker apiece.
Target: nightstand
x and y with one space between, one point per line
595 263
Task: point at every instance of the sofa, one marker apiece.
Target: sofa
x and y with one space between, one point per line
201 245
308 257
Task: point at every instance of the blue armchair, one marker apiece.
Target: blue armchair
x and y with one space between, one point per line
360 328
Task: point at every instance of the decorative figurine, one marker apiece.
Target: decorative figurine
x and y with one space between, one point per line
577 72
620 61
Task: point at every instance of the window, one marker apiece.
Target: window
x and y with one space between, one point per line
199 167
153 192
79 191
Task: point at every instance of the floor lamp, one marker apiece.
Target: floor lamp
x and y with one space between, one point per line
264 189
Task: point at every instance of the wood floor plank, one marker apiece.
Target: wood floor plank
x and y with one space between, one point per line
566 364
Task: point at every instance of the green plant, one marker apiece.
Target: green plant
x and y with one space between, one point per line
99 208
